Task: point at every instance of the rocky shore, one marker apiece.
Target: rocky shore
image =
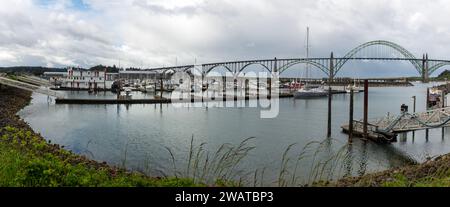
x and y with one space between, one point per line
432 173
18 136
12 100
28 160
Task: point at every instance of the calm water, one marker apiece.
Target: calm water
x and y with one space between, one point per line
137 135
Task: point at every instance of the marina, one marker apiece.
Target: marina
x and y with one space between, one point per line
151 128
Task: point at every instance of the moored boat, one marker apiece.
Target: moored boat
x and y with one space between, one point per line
310 92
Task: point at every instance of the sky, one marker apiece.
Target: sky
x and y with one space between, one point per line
155 33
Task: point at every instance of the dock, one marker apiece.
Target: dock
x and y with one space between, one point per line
372 133
385 129
158 100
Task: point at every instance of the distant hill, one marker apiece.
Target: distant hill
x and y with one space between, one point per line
444 75
37 70
109 69
29 69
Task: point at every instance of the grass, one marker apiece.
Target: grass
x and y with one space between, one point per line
432 173
28 161
218 168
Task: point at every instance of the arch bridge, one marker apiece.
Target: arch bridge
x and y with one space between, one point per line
379 50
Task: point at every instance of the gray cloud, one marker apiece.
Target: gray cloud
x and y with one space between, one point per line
155 33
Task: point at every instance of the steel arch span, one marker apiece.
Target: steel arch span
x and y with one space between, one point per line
331 66
437 66
408 55
317 65
270 70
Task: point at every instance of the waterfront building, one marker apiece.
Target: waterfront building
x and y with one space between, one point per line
138 76
75 78
87 79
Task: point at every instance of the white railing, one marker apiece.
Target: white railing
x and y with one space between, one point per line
415 121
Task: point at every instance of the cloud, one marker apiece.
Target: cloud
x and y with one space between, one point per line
156 33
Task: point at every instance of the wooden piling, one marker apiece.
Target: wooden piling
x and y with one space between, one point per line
247 83
442 99
330 95
162 86
366 107
257 87
350 121
224 84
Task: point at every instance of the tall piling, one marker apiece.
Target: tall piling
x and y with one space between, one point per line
366 107
350 119
442 99
330 95
257 87
162 86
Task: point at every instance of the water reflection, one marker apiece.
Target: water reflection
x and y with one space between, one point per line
363 159
139 134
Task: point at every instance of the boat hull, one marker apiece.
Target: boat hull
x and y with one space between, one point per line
309 95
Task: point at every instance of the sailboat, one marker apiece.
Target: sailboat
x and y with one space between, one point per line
307 91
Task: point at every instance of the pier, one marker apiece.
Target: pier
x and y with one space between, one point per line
158 100
385 129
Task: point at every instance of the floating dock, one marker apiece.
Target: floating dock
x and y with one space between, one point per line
385 130
159 100
372 133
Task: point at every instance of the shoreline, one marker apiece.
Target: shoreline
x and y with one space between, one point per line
434 172
19 139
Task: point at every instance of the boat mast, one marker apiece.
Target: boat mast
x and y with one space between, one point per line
307 52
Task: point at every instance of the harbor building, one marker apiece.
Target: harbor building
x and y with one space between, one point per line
86 79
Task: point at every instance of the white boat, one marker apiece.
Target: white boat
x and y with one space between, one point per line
354 87
128 89
350 87
309 92
147 88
